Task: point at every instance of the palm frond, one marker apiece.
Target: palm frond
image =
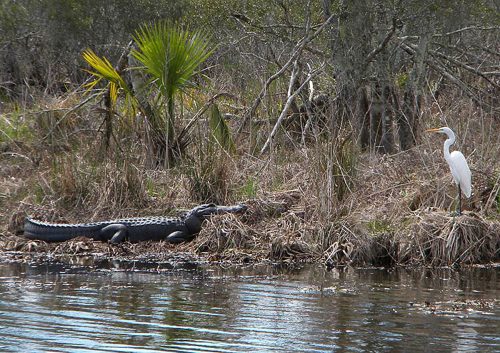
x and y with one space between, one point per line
220 130
170 54
103 69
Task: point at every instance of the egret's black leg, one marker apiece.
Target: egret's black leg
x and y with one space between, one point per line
459 201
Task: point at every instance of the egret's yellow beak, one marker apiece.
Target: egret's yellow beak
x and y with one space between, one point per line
432 130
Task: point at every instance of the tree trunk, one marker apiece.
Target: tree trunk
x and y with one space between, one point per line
363 114
387 138
376 117
351 46
408 120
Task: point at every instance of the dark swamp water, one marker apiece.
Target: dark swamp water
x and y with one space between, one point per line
124 307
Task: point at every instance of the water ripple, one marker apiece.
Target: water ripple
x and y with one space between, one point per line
42 309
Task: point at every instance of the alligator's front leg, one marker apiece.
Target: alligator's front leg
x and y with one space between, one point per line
179 236
114 233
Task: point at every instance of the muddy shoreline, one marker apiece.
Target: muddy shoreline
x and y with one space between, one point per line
277 231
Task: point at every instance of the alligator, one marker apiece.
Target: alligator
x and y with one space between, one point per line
173 230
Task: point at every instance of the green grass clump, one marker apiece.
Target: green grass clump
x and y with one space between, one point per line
14 127
379 226
249 189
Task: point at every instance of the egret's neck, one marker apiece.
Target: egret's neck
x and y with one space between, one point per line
446 148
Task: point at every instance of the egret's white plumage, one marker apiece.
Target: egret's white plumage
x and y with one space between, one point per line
461 172
458 165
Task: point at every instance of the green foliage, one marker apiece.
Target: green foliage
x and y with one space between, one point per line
208 168
220 130
153 189
402 79
41 41
170 55
15 127
150 187
12 15
379 226
39 194
249 189
344 166
103 70
208 180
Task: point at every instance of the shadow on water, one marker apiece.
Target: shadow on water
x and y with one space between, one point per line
146 307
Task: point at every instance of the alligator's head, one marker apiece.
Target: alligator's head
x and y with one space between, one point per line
208 209
194 217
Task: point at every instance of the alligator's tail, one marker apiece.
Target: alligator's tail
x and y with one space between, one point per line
50 232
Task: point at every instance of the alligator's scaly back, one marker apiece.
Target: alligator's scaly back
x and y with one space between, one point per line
55 232
135 229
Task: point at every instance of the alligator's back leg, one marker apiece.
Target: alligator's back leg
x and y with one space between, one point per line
178 237
114 233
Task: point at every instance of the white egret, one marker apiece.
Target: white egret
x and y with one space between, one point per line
458 166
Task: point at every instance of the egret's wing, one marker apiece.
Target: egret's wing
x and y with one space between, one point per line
462 171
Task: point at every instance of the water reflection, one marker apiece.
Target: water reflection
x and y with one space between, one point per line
123 307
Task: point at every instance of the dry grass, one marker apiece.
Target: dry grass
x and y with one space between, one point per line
438 239
276 231
318 203
272 229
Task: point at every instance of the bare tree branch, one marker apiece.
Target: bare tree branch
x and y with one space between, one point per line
469 68
301 44
383 44
468 29
291 97
453 79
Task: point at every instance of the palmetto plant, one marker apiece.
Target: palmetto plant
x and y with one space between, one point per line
220 131
104 70
168 56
